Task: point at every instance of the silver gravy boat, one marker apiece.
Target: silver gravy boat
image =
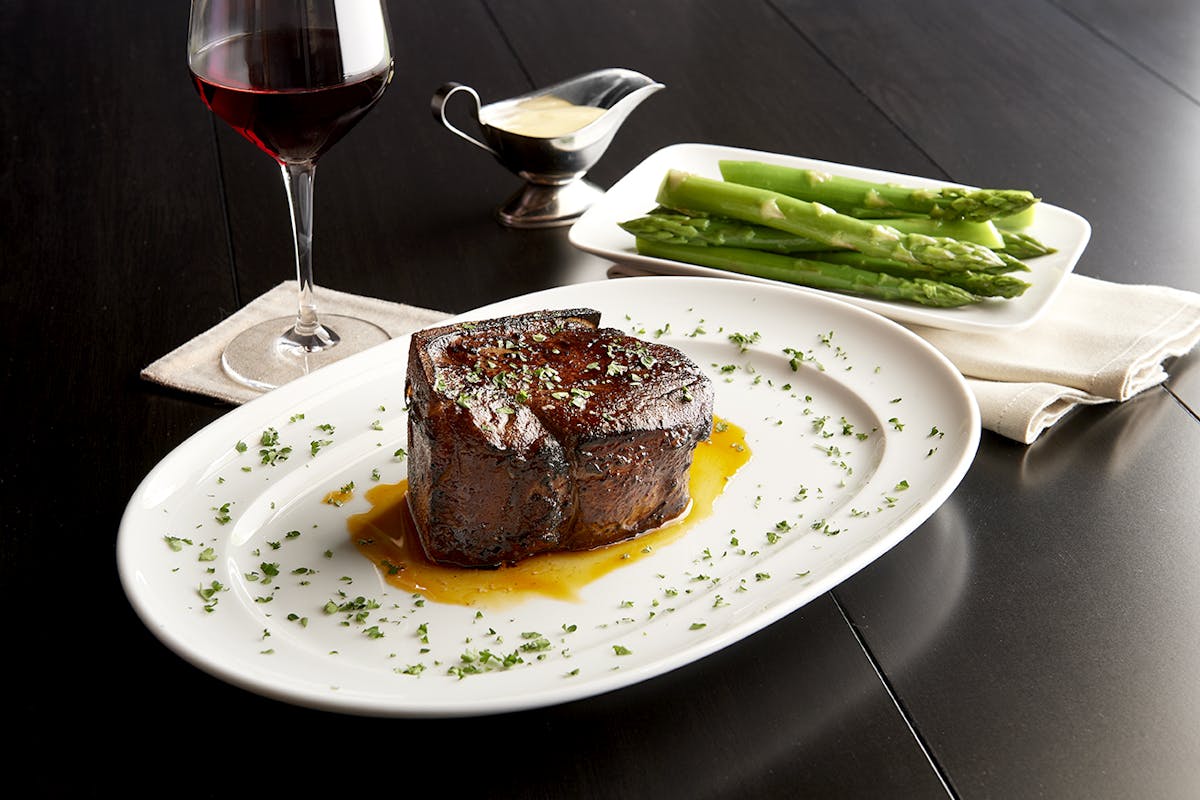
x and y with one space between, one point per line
554 192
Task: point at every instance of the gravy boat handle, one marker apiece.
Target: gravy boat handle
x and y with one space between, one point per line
438 105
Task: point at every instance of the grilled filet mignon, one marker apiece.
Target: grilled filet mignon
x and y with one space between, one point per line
545 432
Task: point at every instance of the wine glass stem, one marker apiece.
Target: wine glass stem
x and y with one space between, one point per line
307 332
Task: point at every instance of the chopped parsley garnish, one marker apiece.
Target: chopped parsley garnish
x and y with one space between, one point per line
222 516
209 595
271 452
797 358
743 341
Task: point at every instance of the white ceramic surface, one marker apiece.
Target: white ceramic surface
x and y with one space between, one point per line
870 410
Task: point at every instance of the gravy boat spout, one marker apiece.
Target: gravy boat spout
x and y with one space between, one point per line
551 137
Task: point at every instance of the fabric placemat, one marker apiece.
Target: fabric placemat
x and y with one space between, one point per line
195 366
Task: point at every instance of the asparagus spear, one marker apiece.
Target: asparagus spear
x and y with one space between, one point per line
814 274
1023 245
671 226
1019 221
984 233
841 193
978 283
881 213
675 228
692 193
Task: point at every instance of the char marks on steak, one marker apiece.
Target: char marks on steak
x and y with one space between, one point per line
544 432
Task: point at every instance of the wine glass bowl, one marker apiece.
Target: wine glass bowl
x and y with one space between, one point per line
292 77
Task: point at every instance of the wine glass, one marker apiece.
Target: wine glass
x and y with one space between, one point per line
292 76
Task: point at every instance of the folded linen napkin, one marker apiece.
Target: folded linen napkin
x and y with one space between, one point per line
195 366
1097 342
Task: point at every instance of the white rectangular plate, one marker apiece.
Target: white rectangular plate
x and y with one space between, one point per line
850 451
597 232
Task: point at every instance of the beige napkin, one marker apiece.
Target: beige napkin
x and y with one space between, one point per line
1098 342
196 365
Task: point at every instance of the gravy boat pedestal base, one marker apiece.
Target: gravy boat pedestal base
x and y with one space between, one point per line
537 205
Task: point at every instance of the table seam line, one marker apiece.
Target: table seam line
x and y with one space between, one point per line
1115 45
221 187
1194 413
787 20
508 43
926 750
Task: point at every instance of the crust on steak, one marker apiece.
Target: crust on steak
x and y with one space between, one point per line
544 432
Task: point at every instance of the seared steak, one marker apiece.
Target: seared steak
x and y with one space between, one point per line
545 432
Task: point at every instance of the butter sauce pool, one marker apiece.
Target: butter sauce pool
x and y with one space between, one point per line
387 536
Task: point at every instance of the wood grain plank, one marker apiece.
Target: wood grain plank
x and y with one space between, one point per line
796 712
1160 35
114 245
1036 643
744 79
97 186
1019 94
114 254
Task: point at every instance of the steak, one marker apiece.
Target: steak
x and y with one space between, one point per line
544 432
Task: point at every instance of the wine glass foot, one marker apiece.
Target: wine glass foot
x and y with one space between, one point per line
267 356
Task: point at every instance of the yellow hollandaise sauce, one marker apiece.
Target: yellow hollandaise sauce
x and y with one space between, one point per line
386 534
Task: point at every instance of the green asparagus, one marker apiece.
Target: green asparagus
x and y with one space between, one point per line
691 193
675 228
978 283
845 194
1022 245
813 274
984 233
670 226
1019 221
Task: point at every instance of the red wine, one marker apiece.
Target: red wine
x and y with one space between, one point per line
285 90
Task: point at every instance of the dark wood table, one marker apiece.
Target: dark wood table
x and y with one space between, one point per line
1063 578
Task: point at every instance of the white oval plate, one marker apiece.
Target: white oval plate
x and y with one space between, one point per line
633 195
209 513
